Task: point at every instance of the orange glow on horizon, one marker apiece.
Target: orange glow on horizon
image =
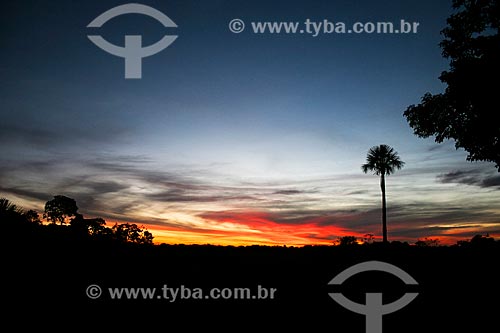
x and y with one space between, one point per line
254 228
243 228
235 228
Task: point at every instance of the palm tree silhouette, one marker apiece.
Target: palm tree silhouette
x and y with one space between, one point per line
382 160
6 206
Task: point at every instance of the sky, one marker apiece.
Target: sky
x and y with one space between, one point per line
234 138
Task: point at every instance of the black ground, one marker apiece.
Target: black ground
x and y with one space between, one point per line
46 277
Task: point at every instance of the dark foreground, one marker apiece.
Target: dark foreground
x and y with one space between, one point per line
47 278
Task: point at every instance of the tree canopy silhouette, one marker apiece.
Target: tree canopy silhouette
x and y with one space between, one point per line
63 209
347 241
467 111
132 233
382 160
93 227
32 216
60 208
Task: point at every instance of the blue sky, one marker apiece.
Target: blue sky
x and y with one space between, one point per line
225 124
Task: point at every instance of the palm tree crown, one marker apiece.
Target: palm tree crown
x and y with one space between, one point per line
6 206
382 160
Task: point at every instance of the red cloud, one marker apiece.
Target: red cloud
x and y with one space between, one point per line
308 231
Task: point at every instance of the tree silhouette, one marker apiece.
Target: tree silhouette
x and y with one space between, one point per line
60 208
127 232
8 207
92 227
427 242
32 216
368 238
467 110
347 241
382 160
10 212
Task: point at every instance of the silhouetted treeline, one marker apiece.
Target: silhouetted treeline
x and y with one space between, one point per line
48 267
72 225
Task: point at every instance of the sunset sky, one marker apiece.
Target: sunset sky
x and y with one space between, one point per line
234 138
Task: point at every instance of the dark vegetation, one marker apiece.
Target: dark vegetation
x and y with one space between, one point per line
63 210
47 268
467 111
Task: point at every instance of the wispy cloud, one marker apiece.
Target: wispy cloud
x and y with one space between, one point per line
288 192
43 136
192 201
476 177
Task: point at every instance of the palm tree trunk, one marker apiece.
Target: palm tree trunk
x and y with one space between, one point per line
384 209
